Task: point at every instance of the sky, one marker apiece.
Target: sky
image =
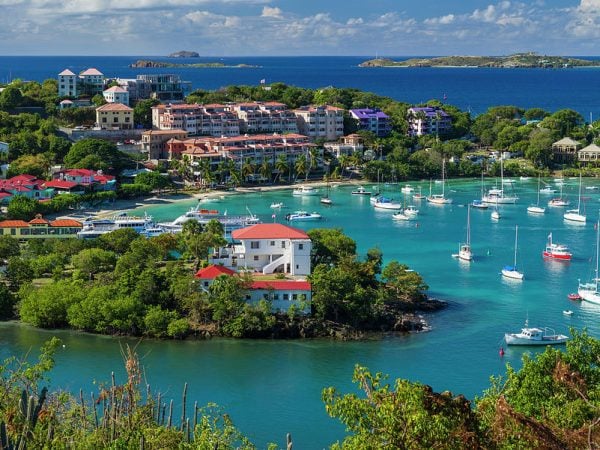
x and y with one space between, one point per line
221 28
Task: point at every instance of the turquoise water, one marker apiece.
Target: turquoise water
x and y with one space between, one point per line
273 387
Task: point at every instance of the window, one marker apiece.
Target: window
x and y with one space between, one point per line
282 244
248 297
297 266
255 244
300 246
272 244
206 284
266 296
104 120
255 257
115 119
275 296
286 296
294 296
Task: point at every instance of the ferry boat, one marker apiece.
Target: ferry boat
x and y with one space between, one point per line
93 228
203 216
305 191
303 215
556 251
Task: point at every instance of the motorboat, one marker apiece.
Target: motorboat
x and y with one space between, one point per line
535 336
592 188
547 190
574 296
382 202
361 191
558 202
303 216
411 211
407 189
277 205
512 271
479 204
567 312
305 191
524 178
400 215
556 251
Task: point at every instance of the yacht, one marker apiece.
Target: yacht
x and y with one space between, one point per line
361 191
382 202
305 191
302 215
535 336
93 228
203 216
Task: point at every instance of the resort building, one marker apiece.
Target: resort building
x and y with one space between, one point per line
67 84
116 94
165 87
256 148
589 156
114 116
196 120
320 122
565 150
281 293
40 228
24 185
154 142
373 120
349 145
137 89
428 120
267 117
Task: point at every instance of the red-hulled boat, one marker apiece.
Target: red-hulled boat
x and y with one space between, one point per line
556 251
574 296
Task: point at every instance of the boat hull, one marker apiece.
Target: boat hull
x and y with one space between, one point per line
501 200
515 339
589 295
536 209
574 217
512 274
559 256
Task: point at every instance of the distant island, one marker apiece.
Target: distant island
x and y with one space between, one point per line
518 60
142 63
184 54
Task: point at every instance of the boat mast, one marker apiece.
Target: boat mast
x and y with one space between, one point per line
516 234
597 247
579 205
469 225
443 178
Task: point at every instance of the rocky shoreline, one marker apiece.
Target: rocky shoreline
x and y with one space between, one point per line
144 64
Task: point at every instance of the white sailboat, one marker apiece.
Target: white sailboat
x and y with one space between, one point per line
574 215
589 291
464 250
479 203
512 271
499 195
537 209
496 213
440 199
559 201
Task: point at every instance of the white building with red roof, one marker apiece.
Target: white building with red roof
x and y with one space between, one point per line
270 248
85 179
281 293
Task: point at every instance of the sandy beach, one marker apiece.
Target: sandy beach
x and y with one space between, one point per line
109 209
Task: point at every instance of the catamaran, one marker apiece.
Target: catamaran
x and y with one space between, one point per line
512 271
499 195
589 291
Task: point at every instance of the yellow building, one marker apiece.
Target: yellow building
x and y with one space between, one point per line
40 228
114 116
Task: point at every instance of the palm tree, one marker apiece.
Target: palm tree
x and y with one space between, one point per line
248 168
205 172
266 171
344 161
185 165
281 165
235 176
300 166
312 161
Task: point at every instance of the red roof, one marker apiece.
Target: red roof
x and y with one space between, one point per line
38 221
211 272
5 194
14 224
287 285
269 231
61 184
65 223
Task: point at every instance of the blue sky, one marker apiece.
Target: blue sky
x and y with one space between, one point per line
298 27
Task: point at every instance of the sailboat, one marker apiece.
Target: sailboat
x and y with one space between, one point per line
479 203
495 212
464 250
559 201
589 291
440 199
537 209
574 215
512 271
419 196
498 195
326 200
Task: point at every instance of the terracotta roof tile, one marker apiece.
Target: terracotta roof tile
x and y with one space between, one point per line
211 272
269 231
14 224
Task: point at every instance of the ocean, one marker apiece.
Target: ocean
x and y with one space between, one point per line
470 89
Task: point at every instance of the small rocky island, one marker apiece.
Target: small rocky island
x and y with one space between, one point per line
142 63
518 60
184 54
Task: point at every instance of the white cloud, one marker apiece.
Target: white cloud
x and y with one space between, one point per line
585 21
355 21
486 15
271 12
444 20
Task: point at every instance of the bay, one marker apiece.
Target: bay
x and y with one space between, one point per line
270 388
470 89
